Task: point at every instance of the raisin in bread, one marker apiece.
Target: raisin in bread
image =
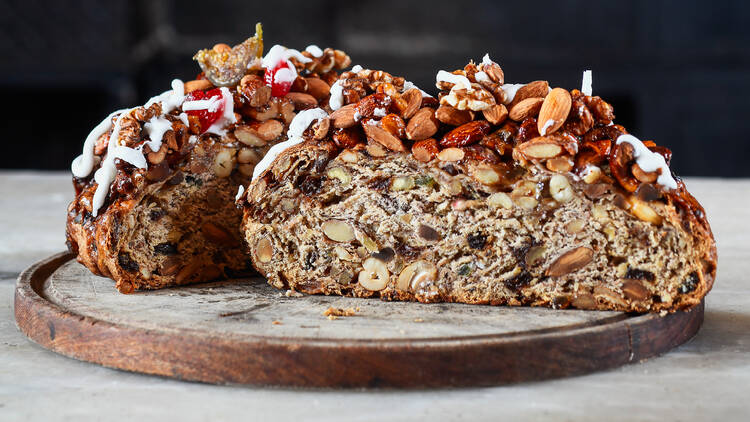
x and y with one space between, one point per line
156 184
493 193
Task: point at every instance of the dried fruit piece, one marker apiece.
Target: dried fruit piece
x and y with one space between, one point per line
279 78
226 68
210 114
570 261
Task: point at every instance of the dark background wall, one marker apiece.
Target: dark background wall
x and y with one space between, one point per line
677 72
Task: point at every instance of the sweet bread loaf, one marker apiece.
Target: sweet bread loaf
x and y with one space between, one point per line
156 184
491 193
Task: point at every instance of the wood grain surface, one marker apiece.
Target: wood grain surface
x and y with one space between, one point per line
245 332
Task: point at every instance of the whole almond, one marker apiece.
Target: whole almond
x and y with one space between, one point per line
383 137
525 109
570 261
422 125
425 150
453 116
536 89
554 111
318 88
495 114
466 134
413 98
301 100
343 117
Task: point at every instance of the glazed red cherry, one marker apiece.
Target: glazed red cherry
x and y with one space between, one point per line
206 117
280 83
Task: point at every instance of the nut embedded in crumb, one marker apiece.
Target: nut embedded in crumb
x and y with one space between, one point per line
333 313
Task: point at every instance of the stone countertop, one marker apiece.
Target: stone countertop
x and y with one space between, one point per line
705 379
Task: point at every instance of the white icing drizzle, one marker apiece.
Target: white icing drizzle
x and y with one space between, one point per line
548 124
458 81
314 50
409 85
510 91
379 112
481 77
156 128
649 161
336 101
240 191
279 53
357 68
299 124
285 75
184 119
212 104
228 117
486 59
84 163
586 82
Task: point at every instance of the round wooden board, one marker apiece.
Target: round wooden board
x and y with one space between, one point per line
246 332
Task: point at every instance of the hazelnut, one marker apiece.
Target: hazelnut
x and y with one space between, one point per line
500 199
402 183
415 274
374 275
560 189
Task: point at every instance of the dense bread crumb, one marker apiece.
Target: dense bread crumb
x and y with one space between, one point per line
447 237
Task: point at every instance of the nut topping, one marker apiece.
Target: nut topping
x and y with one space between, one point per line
453 116
524 109
383 137
343 117
413 98
466 134
422 125
554 111
425 150
495 114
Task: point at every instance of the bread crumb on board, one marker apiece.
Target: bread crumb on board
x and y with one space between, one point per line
334 313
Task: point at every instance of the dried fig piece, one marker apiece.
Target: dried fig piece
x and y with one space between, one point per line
226 68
